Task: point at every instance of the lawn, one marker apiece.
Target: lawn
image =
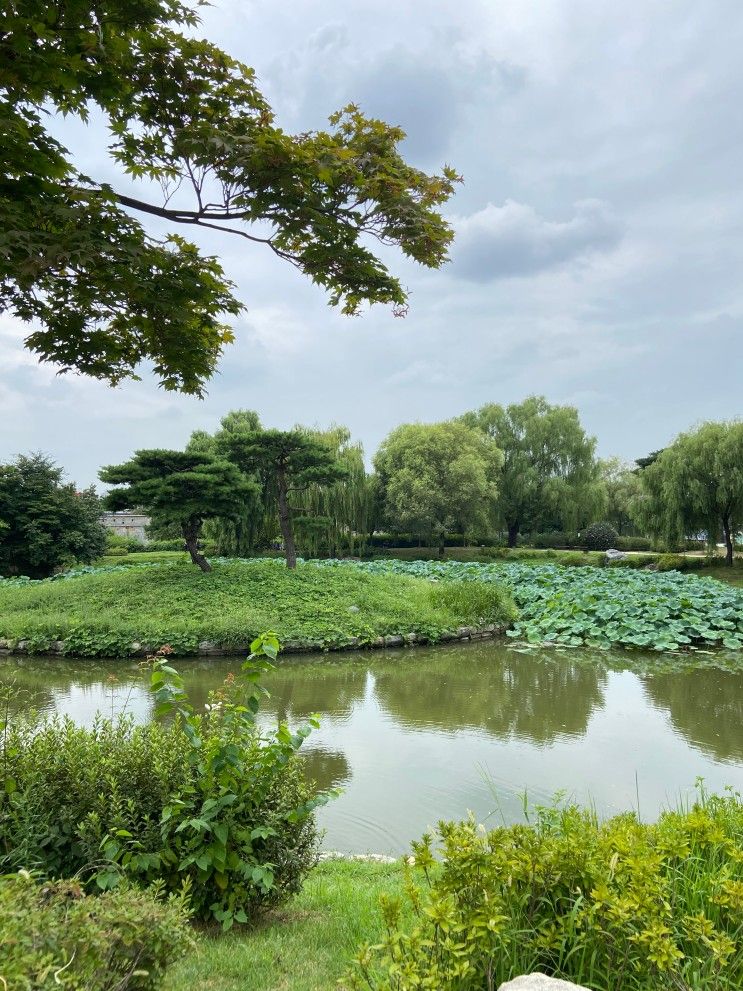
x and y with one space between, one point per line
103 612
305 947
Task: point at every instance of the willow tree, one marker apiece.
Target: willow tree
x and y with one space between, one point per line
178 488
549 469
437 477
336 517
188 120
696 485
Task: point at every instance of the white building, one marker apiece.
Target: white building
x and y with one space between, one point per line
128 523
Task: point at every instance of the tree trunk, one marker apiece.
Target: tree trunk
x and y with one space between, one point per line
191 532
285 521
727 531
513 533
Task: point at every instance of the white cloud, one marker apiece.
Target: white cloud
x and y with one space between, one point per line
513 239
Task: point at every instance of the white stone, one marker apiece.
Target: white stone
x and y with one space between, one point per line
540 982
614 555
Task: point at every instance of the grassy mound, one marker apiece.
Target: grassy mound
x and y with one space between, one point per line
603 607
102 612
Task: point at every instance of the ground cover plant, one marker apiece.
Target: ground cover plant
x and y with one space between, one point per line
103 612
600 606
53 935
613 906
206 803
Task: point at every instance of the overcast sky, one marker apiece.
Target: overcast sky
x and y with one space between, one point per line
599 256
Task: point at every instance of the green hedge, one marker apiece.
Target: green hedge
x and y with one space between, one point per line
54 936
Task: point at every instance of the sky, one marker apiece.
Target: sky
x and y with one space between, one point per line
598 252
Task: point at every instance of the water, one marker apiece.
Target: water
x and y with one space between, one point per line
418 735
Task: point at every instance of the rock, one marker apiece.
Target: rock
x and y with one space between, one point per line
411 637
208 647
464 632
540 982
354 609
20 646
393 640
615 555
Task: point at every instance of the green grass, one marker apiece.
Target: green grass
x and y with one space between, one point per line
103 612
306 946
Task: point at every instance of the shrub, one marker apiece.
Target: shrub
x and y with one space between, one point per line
557 540
599 537
54 936
116 550
210 799
617 904
129 544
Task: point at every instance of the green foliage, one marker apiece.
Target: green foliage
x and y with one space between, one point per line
212 801
103 612
600 537
45 524
623 492
289 463
53 936
73 257
436 478
179 488
599 606
696 485
121 541
549 475
614 906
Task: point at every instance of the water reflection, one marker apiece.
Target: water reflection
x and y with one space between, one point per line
412 735
706 707
504 693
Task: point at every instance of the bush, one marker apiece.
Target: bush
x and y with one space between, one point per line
54 936
617 904
210 800
557 540
130 545
599 537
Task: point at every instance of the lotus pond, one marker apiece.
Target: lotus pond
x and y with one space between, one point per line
604 607
412 736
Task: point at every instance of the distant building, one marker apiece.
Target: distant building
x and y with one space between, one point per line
128 523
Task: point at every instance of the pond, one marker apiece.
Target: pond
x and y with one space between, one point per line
418 735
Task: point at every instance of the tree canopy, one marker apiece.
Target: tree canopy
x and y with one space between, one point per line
696 484
45 524
178 487
288 462
623 488
549 470
189 121
438 477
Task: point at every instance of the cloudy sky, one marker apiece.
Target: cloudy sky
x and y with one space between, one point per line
599 253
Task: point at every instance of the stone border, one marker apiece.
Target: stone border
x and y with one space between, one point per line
209 649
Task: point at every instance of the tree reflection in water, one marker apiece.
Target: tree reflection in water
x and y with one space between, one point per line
705 706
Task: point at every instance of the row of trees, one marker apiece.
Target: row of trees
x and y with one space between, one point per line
498 471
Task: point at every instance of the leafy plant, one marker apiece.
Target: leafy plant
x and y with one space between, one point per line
600 537
53 935
209 800
615 906
599 606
